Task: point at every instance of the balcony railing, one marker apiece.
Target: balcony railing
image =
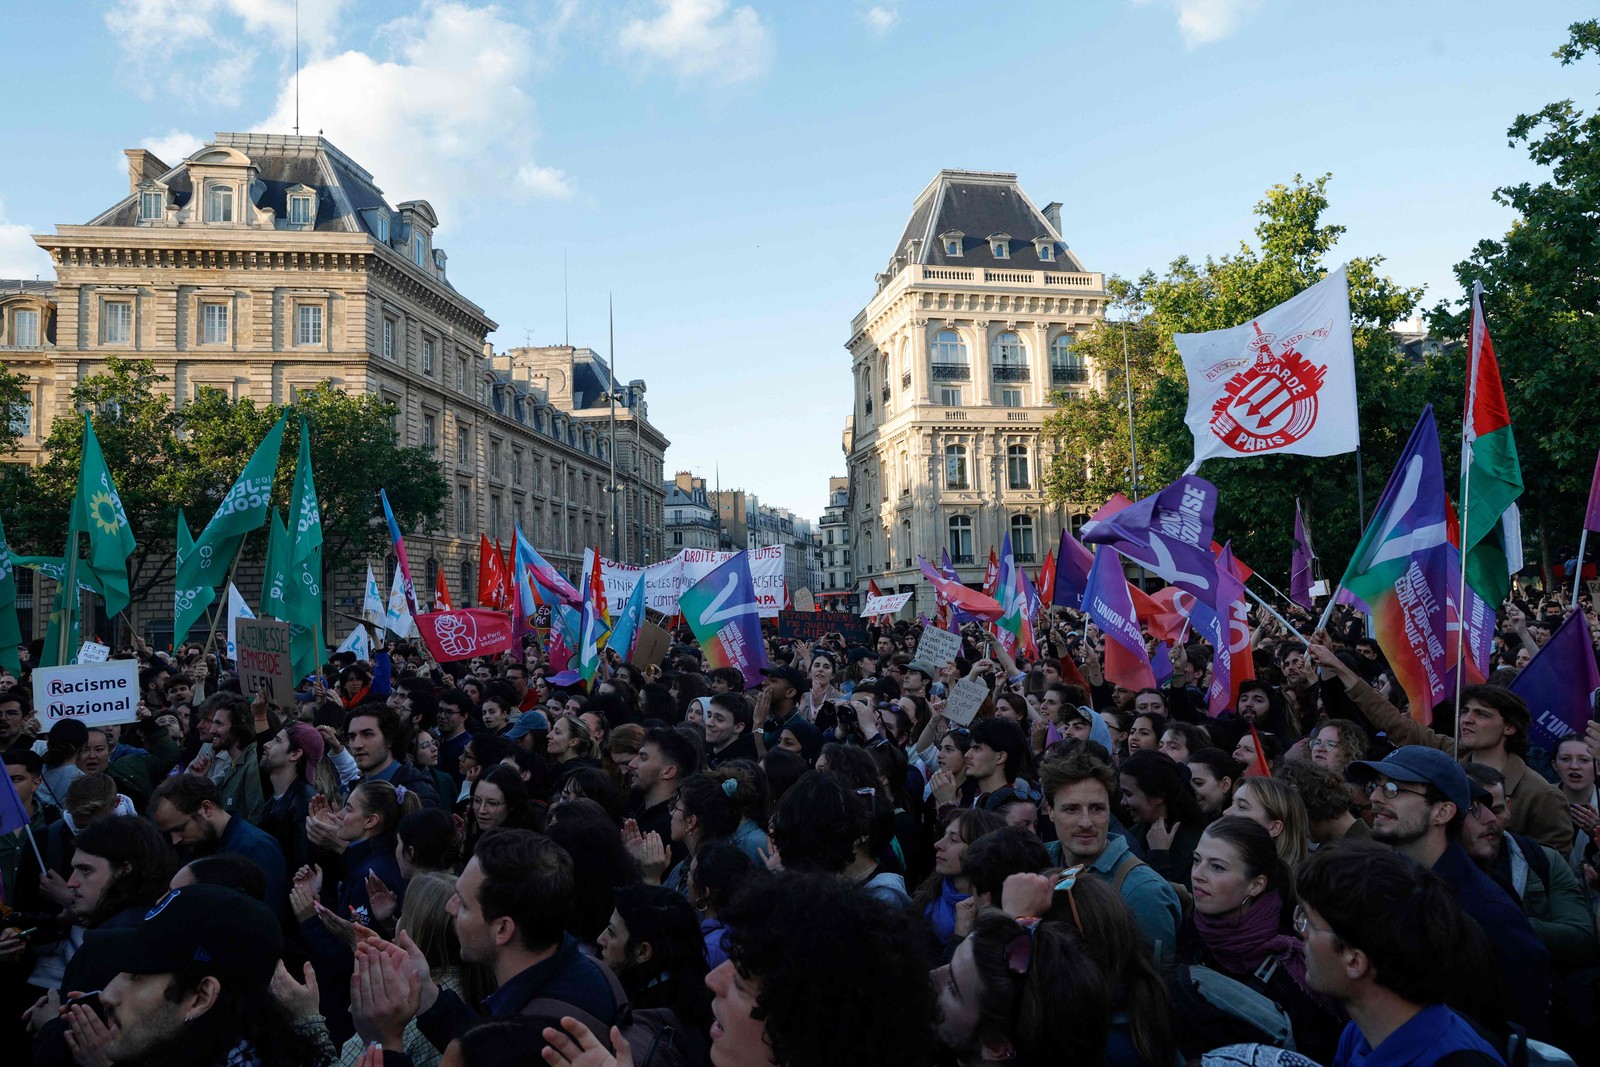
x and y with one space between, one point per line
1012 372
952 372
1024 557
962 560
1068 375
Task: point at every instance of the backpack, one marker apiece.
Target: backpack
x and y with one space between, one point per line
1125 866
1212 1010
655 1036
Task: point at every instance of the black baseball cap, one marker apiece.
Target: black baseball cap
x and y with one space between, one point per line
794 677
199 930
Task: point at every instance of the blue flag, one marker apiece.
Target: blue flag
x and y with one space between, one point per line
1559 684
13 816
625 627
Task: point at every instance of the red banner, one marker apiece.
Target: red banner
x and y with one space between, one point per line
462 634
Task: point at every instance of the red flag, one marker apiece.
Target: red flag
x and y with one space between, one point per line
1111 507
458 635
494 580
992 575
1047 577
441 596
1170 618
1260 768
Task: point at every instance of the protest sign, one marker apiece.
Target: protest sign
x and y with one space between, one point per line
965 701
96 694
93 652
885 605
804 600
264 662
937 647
651 647
812 625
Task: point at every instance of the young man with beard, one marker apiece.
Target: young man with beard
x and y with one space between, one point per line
290 761
193 985
188 809
1420 799
665 759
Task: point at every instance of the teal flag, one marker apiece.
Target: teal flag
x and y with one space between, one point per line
97 511
276 571
302 594
10 629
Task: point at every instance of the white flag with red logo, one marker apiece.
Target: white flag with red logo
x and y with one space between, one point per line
1282 383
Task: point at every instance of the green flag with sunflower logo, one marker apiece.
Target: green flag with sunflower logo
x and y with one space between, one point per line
97 511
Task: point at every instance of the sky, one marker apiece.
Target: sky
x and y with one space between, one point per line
734 174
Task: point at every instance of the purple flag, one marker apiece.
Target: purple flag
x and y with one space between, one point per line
1559 684
1110 607
1073 562
1217 627
1169 533
1300 569
1161 663
1591 514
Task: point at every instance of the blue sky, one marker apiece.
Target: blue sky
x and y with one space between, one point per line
735 173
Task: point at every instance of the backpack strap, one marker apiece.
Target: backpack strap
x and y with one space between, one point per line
1125 866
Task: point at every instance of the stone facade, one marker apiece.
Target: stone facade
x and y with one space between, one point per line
954 360
690 521
266 264
833 532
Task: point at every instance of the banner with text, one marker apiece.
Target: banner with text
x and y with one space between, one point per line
96 694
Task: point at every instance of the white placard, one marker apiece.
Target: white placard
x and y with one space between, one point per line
885 605
965 701
93 652
1319 588
937 647
96 694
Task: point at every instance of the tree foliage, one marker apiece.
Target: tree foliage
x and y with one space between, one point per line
164 458
1258 494
1541 284
13 399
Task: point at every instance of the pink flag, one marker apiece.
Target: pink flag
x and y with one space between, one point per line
1591 515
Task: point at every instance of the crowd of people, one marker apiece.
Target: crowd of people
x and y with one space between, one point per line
464 864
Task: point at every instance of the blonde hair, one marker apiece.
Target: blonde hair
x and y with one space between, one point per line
1282 802
580 729
425 919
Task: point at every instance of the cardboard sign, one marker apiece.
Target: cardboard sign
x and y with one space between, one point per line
93 652
804 600
885 605
264 661
1594 592
96 694
938 647
965 701
651 647
812 625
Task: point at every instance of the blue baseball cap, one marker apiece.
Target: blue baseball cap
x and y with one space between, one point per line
526 723
1421 765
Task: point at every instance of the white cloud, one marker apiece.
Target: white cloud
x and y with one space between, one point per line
19 256
1205 21
701 40
172 148
882 19
444 118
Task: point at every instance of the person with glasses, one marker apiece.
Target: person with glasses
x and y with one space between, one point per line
1420 799
1387 942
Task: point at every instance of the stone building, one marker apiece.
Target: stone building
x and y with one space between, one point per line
265 264
833 532
690 521
955 359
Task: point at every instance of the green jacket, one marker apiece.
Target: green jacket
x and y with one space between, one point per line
1557 909
241 790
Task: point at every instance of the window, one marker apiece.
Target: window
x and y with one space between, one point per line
955 467
1047 253
214 324
949 349
1008 358
466 587
219 204
308 325
516 467
388 338
119 322
494 517
952 247
950 396
302 210
152 204
494 459
380 227
1066 366
1017 467
1011 398
427 355
25 328
429 428
1022 538
21 420
960 539
463 508
419 250
1001 249
461 375
461 446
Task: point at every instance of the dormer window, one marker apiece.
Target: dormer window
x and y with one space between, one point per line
419 250
380 226
302 208
914 249
219 203
1000 245
951 240
438 263
1046 249
152 204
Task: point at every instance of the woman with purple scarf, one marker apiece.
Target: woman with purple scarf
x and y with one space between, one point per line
1243 927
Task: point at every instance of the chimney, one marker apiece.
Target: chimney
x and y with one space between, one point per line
142 165
1052 215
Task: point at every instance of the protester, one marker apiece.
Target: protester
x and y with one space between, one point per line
1277 806
188 809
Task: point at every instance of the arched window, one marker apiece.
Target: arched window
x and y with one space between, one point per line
1008 359
1017 473
1022 538
219 204
949 354
960 539
955 467
432 575
1066 366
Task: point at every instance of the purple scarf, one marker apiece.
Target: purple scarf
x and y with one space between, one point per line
1241 942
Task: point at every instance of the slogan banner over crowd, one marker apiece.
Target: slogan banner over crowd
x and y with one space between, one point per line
96 694
665 582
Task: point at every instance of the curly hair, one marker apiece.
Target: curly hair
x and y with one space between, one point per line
820 949
135 843
815 825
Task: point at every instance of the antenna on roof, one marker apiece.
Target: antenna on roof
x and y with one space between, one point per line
566 316
297 68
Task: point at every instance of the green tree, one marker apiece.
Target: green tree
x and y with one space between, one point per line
13 398
1541 284
1257 495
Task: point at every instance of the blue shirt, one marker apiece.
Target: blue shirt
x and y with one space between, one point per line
568 976
262 849
1524 961
1432 1034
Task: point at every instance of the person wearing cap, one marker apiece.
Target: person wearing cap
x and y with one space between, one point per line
527 724
290 760
778 699
1493 729
1420 799
917 681
188 809
193 985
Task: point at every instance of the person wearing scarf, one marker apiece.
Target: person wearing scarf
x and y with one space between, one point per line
1242 927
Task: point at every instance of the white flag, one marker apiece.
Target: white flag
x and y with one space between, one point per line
372 609
237 609
397 620
358 642
1282 383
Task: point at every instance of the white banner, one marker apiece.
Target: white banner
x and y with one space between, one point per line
666 581
358 642
96 694
238 609
885 605
1283 383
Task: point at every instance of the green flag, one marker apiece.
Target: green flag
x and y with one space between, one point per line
63 613
244 509
276 570
185 538
303 586
97 511
10 630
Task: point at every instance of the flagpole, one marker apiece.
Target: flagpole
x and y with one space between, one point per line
1466 503
1251 593
69 593
1577 576
233 569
